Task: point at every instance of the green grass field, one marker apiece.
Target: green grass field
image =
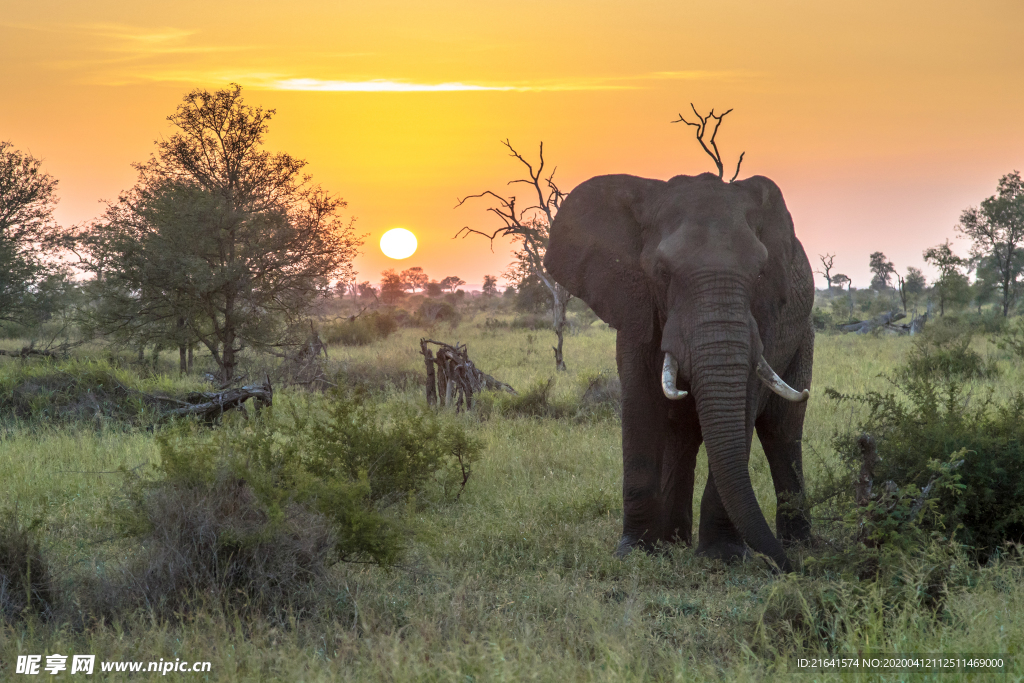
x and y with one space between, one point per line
516 581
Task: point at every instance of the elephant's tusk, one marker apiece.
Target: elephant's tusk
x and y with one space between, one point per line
776 384
668 379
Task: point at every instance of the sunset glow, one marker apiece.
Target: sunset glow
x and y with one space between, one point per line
855 110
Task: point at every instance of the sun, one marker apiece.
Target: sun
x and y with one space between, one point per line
398 243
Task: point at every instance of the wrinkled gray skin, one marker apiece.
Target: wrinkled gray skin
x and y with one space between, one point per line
713 274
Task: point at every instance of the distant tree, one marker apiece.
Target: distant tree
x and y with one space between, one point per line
27 232
996 231
367 291
452 282
219 241
434 289
952 287
915 282
839 280
391 286
490 287
529 228
414 278
826 265
883 271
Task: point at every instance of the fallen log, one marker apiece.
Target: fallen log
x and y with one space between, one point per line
210 405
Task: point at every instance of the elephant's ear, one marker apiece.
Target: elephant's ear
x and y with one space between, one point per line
595 246
774 227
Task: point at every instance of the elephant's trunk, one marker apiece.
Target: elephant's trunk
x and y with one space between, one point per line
724 386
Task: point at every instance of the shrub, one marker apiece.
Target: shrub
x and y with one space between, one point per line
431 312
26 585
925 426
256 512
361 330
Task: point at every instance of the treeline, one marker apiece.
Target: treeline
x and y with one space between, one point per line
996 257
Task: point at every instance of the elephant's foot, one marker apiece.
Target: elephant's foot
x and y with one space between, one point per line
793 529
628 543
726 551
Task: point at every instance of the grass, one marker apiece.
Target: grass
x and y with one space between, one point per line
516 580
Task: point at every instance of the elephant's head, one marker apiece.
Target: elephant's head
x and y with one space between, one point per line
702 268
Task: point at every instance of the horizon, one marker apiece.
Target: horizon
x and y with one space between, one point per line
864 116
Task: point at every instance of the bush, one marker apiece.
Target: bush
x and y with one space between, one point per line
431 312
26 585
361 330
932 434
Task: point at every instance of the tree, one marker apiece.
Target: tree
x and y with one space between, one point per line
702 128
414 278
490 287
996 231
529 229
826 264
434 289
883 270
452 282
915 282
391 286
219 239
952 286
367 291
27 232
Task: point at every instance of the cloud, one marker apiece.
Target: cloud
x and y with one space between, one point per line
374 85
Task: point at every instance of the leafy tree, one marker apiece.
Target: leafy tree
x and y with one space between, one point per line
490 287
27 231
391 286
414 278
915 282
883 270
434 289
997 232
219 240
952 287
985 287
452 282
367 291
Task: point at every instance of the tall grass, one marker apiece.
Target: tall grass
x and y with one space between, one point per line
515 580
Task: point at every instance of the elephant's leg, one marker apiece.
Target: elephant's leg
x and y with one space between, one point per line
644 426
718 537
677 471
780 428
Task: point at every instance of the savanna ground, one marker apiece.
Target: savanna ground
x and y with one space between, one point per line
515 580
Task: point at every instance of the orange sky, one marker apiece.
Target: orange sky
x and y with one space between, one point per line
880 121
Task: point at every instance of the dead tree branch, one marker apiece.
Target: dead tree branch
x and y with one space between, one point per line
702 129
456 378
529 226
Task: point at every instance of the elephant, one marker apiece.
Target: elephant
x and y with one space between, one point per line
710 293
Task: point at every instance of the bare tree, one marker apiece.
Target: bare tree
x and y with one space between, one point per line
702 129
826 264
529 227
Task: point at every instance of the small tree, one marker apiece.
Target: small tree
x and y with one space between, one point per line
997 232
391 286
490 287
452 282
27 231
529 228
434 289
826 265
883 270
414 278
952 287
218 238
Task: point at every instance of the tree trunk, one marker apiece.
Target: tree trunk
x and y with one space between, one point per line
191 356
559 301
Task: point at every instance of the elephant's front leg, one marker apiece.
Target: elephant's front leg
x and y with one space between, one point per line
780 429
644 432
677 472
